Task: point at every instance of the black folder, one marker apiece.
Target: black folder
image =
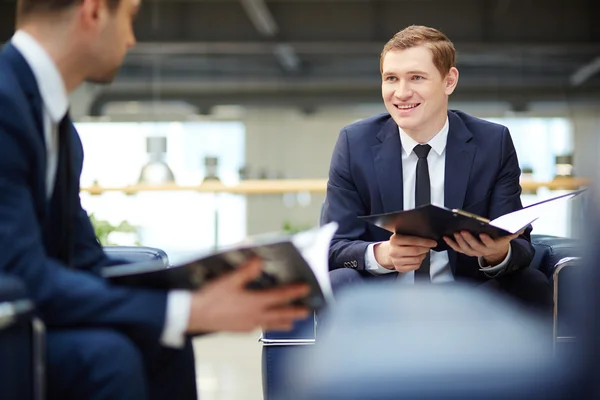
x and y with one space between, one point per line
434 222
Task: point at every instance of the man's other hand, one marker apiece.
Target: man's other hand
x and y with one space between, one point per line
493 251
403 253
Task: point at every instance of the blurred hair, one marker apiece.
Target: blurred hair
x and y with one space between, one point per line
26 8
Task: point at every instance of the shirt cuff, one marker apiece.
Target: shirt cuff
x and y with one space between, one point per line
371 263
179 303
484 267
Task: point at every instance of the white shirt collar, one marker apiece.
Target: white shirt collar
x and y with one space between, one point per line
437 143
50 83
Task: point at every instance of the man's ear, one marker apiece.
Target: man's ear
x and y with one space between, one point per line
451 81
91 12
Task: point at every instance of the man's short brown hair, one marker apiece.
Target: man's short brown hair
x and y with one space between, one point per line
444 54
28 7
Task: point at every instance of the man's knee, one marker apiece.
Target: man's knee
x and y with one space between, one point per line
115 353
530 286
529 278
94 364
344 277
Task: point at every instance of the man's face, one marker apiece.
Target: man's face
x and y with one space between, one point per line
115 37
413 90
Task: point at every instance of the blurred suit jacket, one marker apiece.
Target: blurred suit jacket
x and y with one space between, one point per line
50 243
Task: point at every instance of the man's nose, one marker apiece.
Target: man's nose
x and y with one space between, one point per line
403 91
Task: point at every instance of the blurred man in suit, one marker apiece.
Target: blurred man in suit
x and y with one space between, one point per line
103 342
417 153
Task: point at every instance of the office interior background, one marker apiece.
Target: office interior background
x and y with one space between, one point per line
222 121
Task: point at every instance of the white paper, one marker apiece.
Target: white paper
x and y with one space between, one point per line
515 221
314 247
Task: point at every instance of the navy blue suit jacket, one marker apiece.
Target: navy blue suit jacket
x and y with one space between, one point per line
481 176
32 228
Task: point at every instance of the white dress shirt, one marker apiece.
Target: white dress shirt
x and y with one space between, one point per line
440 270
55 106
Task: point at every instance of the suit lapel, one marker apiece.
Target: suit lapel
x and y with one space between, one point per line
58 241
387 156
27 82
459 160
31 95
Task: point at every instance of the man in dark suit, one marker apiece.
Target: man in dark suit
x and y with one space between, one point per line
420 153
103 342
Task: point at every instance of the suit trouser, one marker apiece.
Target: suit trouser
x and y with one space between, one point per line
105 364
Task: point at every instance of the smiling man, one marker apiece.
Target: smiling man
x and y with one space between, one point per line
420 152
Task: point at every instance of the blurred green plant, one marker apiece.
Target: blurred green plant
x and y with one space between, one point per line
103 229
291 228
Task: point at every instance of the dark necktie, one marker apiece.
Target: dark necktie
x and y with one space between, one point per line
422 197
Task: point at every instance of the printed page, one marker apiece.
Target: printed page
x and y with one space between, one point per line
314 247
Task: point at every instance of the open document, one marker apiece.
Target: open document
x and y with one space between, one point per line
435 222
301 258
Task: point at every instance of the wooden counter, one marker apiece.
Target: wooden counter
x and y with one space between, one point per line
280 186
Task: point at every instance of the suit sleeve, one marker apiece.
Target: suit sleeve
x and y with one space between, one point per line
90 255
506 198
64 297
343 204
88 250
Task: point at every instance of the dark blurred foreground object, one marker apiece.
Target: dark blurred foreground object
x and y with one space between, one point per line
556 257
585 360
438 342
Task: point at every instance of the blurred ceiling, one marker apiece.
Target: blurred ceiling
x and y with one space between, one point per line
308 53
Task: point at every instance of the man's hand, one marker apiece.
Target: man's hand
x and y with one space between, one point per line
226 305
403 253
493 251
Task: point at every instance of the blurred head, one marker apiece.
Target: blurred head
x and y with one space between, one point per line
418 71
101 31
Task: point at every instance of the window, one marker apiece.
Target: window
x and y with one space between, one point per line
538 142
176 221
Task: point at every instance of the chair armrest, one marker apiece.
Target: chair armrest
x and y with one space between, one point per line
22 342
39 358
562 265
15 305
137 254
13 311
303 333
